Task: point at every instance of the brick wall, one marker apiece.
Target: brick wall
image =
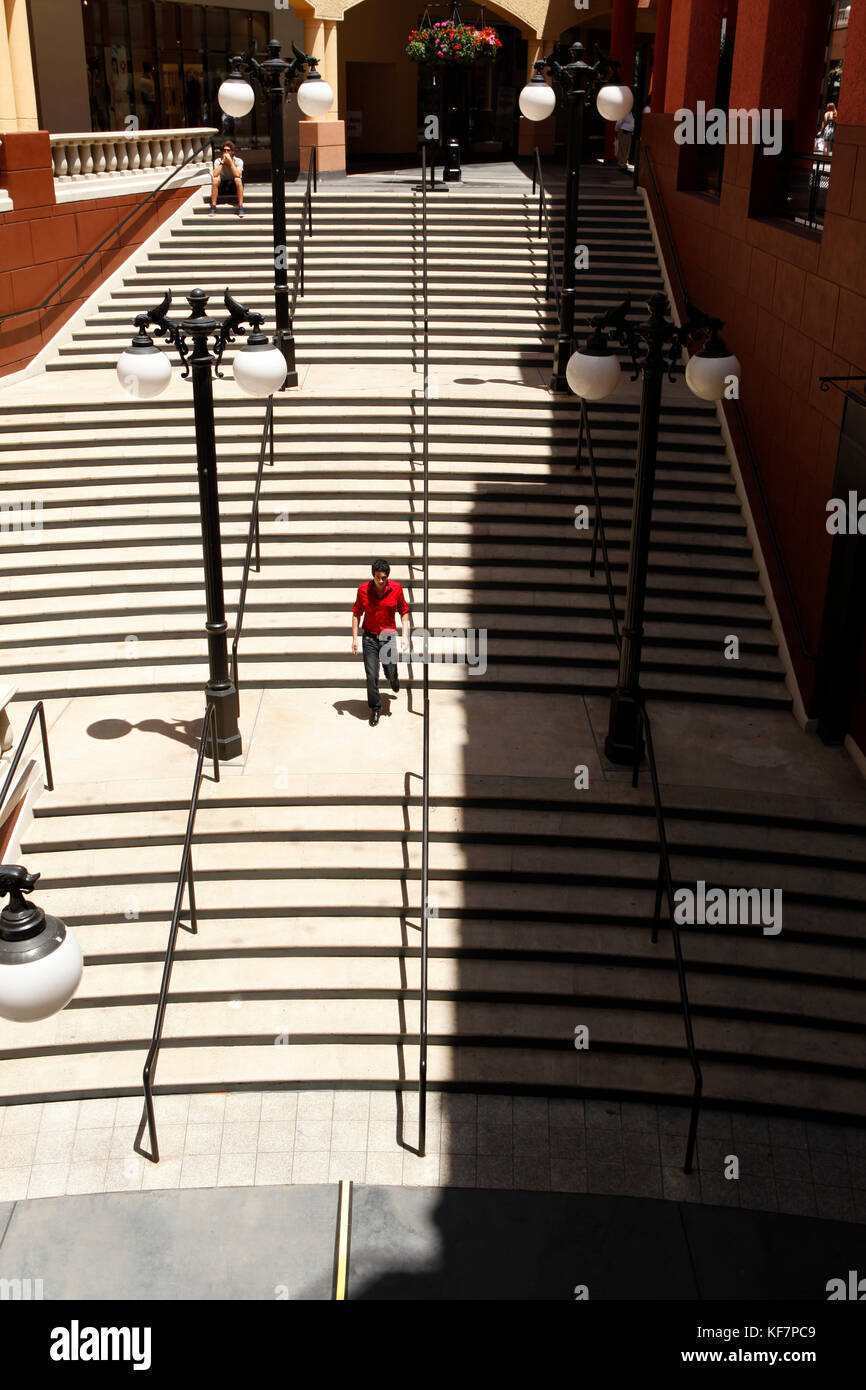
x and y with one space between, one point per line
41 241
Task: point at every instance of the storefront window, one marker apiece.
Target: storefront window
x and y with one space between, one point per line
162 63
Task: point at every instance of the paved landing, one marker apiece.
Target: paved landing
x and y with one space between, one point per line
427 1244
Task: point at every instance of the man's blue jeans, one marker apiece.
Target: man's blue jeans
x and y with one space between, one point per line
372 648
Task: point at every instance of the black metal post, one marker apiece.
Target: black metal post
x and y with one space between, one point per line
624 742
273 70
220 691
565 341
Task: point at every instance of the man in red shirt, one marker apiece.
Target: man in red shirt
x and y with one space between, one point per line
377 602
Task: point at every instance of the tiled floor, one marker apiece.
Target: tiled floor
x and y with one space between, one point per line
489 1141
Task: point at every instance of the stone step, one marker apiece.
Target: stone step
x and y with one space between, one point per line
663 680
388 1064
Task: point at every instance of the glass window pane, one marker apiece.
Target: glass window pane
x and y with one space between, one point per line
261 32
117 22
92 13
141 23
190 25
240 31
217 30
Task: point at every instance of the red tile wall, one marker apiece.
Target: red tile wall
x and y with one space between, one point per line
795 309
41 241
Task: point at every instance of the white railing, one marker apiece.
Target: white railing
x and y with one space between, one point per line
95 153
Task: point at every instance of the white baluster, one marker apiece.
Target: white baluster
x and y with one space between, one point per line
178 151
166 154
87 159
156 148
75 161
188 148
61 163
99 161
135 154
123 154
111 157
147 155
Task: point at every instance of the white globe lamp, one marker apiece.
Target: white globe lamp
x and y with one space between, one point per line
40 960
259 368
537 100
236 97
614 101
143 371
315 96
709 374
594 372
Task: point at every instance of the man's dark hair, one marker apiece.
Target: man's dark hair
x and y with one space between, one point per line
379 565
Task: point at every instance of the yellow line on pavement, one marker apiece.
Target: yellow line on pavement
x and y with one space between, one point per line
343 1222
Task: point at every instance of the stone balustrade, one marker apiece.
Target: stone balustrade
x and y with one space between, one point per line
94 154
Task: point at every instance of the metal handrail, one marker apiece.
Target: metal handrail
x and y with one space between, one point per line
598 530
544 224
37 308
425 803
807 651
184 879
38 710
306 219
253 536
664 878
664 883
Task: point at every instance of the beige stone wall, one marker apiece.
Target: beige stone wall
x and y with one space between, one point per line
535 17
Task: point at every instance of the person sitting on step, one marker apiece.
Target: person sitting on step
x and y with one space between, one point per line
227 172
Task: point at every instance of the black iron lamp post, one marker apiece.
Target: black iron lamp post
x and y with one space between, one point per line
259 369
593 373
579 81
315 97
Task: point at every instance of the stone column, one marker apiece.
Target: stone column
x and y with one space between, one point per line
326 133
660 56
21 62
8 111
623 24
532 133
314 40
331 71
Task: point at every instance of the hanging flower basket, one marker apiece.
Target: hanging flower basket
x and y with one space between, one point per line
448 43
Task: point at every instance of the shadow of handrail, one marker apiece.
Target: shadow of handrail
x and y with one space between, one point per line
664 877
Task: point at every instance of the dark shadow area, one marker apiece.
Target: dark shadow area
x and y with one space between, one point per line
185 731
421 1244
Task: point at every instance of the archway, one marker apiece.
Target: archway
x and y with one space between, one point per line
387 98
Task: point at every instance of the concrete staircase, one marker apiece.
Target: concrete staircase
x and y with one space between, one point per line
362 303
305 967
505 552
